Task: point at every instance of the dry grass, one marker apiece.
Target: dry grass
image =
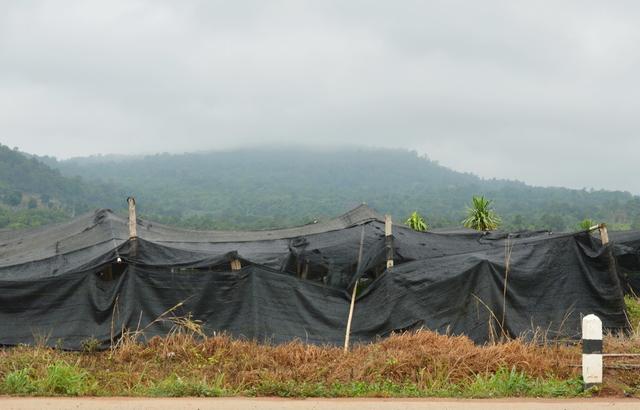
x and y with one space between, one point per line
410 364
425 361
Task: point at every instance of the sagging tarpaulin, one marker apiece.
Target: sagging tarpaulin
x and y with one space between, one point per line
627 253
62 283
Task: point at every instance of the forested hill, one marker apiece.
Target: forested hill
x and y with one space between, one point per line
260 188
32 193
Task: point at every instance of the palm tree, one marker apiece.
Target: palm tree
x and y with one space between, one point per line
480 216
416 222
586 224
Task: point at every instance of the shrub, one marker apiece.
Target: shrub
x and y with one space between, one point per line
90 345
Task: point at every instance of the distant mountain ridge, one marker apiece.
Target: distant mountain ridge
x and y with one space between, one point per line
266 188
32 193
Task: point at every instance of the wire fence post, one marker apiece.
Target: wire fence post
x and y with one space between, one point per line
591 351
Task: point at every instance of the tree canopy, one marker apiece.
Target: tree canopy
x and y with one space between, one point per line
268 188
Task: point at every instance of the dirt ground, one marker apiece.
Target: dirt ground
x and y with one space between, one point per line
121 403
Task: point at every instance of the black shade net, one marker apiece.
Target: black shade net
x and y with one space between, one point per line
85 280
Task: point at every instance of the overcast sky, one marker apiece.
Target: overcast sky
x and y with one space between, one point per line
545 92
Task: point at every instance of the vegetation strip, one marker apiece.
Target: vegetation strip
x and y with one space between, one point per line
421 364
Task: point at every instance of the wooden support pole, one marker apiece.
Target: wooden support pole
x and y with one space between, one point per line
604 234
235 264
613 269
351 307
133 233
353 294
388 240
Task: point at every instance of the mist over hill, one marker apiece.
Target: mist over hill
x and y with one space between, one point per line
267 188
264 188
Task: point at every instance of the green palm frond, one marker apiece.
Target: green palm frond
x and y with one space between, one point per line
416 222
480 216
586 224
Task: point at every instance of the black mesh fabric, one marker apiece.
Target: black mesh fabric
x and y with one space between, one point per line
85 279
627 252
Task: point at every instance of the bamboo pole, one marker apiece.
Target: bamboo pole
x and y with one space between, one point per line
388 224
351 307
353 294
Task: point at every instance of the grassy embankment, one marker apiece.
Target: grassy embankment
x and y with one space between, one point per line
409 365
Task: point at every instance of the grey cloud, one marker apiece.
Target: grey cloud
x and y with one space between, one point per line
529 90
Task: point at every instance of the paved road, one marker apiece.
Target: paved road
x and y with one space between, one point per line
121 403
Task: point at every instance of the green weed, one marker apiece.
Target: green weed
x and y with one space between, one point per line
633 311
64 379
18 382
175 386
291 388
90 345
511 383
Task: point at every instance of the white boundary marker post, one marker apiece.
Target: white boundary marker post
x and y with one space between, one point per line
591 351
